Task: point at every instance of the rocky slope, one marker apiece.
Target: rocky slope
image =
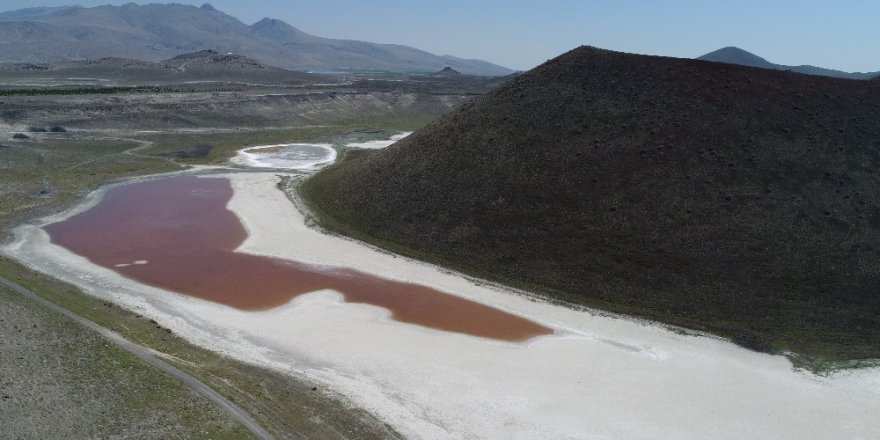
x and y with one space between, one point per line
718 197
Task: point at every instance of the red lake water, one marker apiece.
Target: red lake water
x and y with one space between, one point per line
177 234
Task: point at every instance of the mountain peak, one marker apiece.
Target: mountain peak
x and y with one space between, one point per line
154 32
278 31
447 71
735 55
37 12
271 23
266 21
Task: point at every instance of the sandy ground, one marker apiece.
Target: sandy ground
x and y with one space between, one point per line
599 377
374 145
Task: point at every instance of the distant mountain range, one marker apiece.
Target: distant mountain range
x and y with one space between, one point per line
202 66
161 31
735 55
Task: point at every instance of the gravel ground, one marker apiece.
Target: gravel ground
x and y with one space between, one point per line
56 381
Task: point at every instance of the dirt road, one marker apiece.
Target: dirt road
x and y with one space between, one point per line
148 355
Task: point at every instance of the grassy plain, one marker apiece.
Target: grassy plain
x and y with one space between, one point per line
62 380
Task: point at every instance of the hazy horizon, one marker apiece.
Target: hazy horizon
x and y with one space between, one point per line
521 34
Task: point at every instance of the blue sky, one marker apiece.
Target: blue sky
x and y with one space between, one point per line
523 33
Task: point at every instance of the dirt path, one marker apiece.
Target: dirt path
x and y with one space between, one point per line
142 144
149 355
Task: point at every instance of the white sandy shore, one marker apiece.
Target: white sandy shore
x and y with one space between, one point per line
598 378
379 144
288 159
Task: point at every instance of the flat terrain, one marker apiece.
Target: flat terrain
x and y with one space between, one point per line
111 134
596 376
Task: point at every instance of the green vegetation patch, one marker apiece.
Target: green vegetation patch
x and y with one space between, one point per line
217 148
60 380
39 175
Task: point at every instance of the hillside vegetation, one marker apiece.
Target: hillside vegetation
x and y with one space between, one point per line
731 199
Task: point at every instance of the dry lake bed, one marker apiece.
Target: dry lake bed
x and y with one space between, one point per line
230 263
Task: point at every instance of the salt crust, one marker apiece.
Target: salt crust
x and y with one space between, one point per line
598 377
379 144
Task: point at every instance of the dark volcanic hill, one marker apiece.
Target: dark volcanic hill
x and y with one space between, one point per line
735 55
737 200
160 31
447 72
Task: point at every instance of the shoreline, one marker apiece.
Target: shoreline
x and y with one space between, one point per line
596 376
378 144
244 157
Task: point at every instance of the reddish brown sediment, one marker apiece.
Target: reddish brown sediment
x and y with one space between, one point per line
176 234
